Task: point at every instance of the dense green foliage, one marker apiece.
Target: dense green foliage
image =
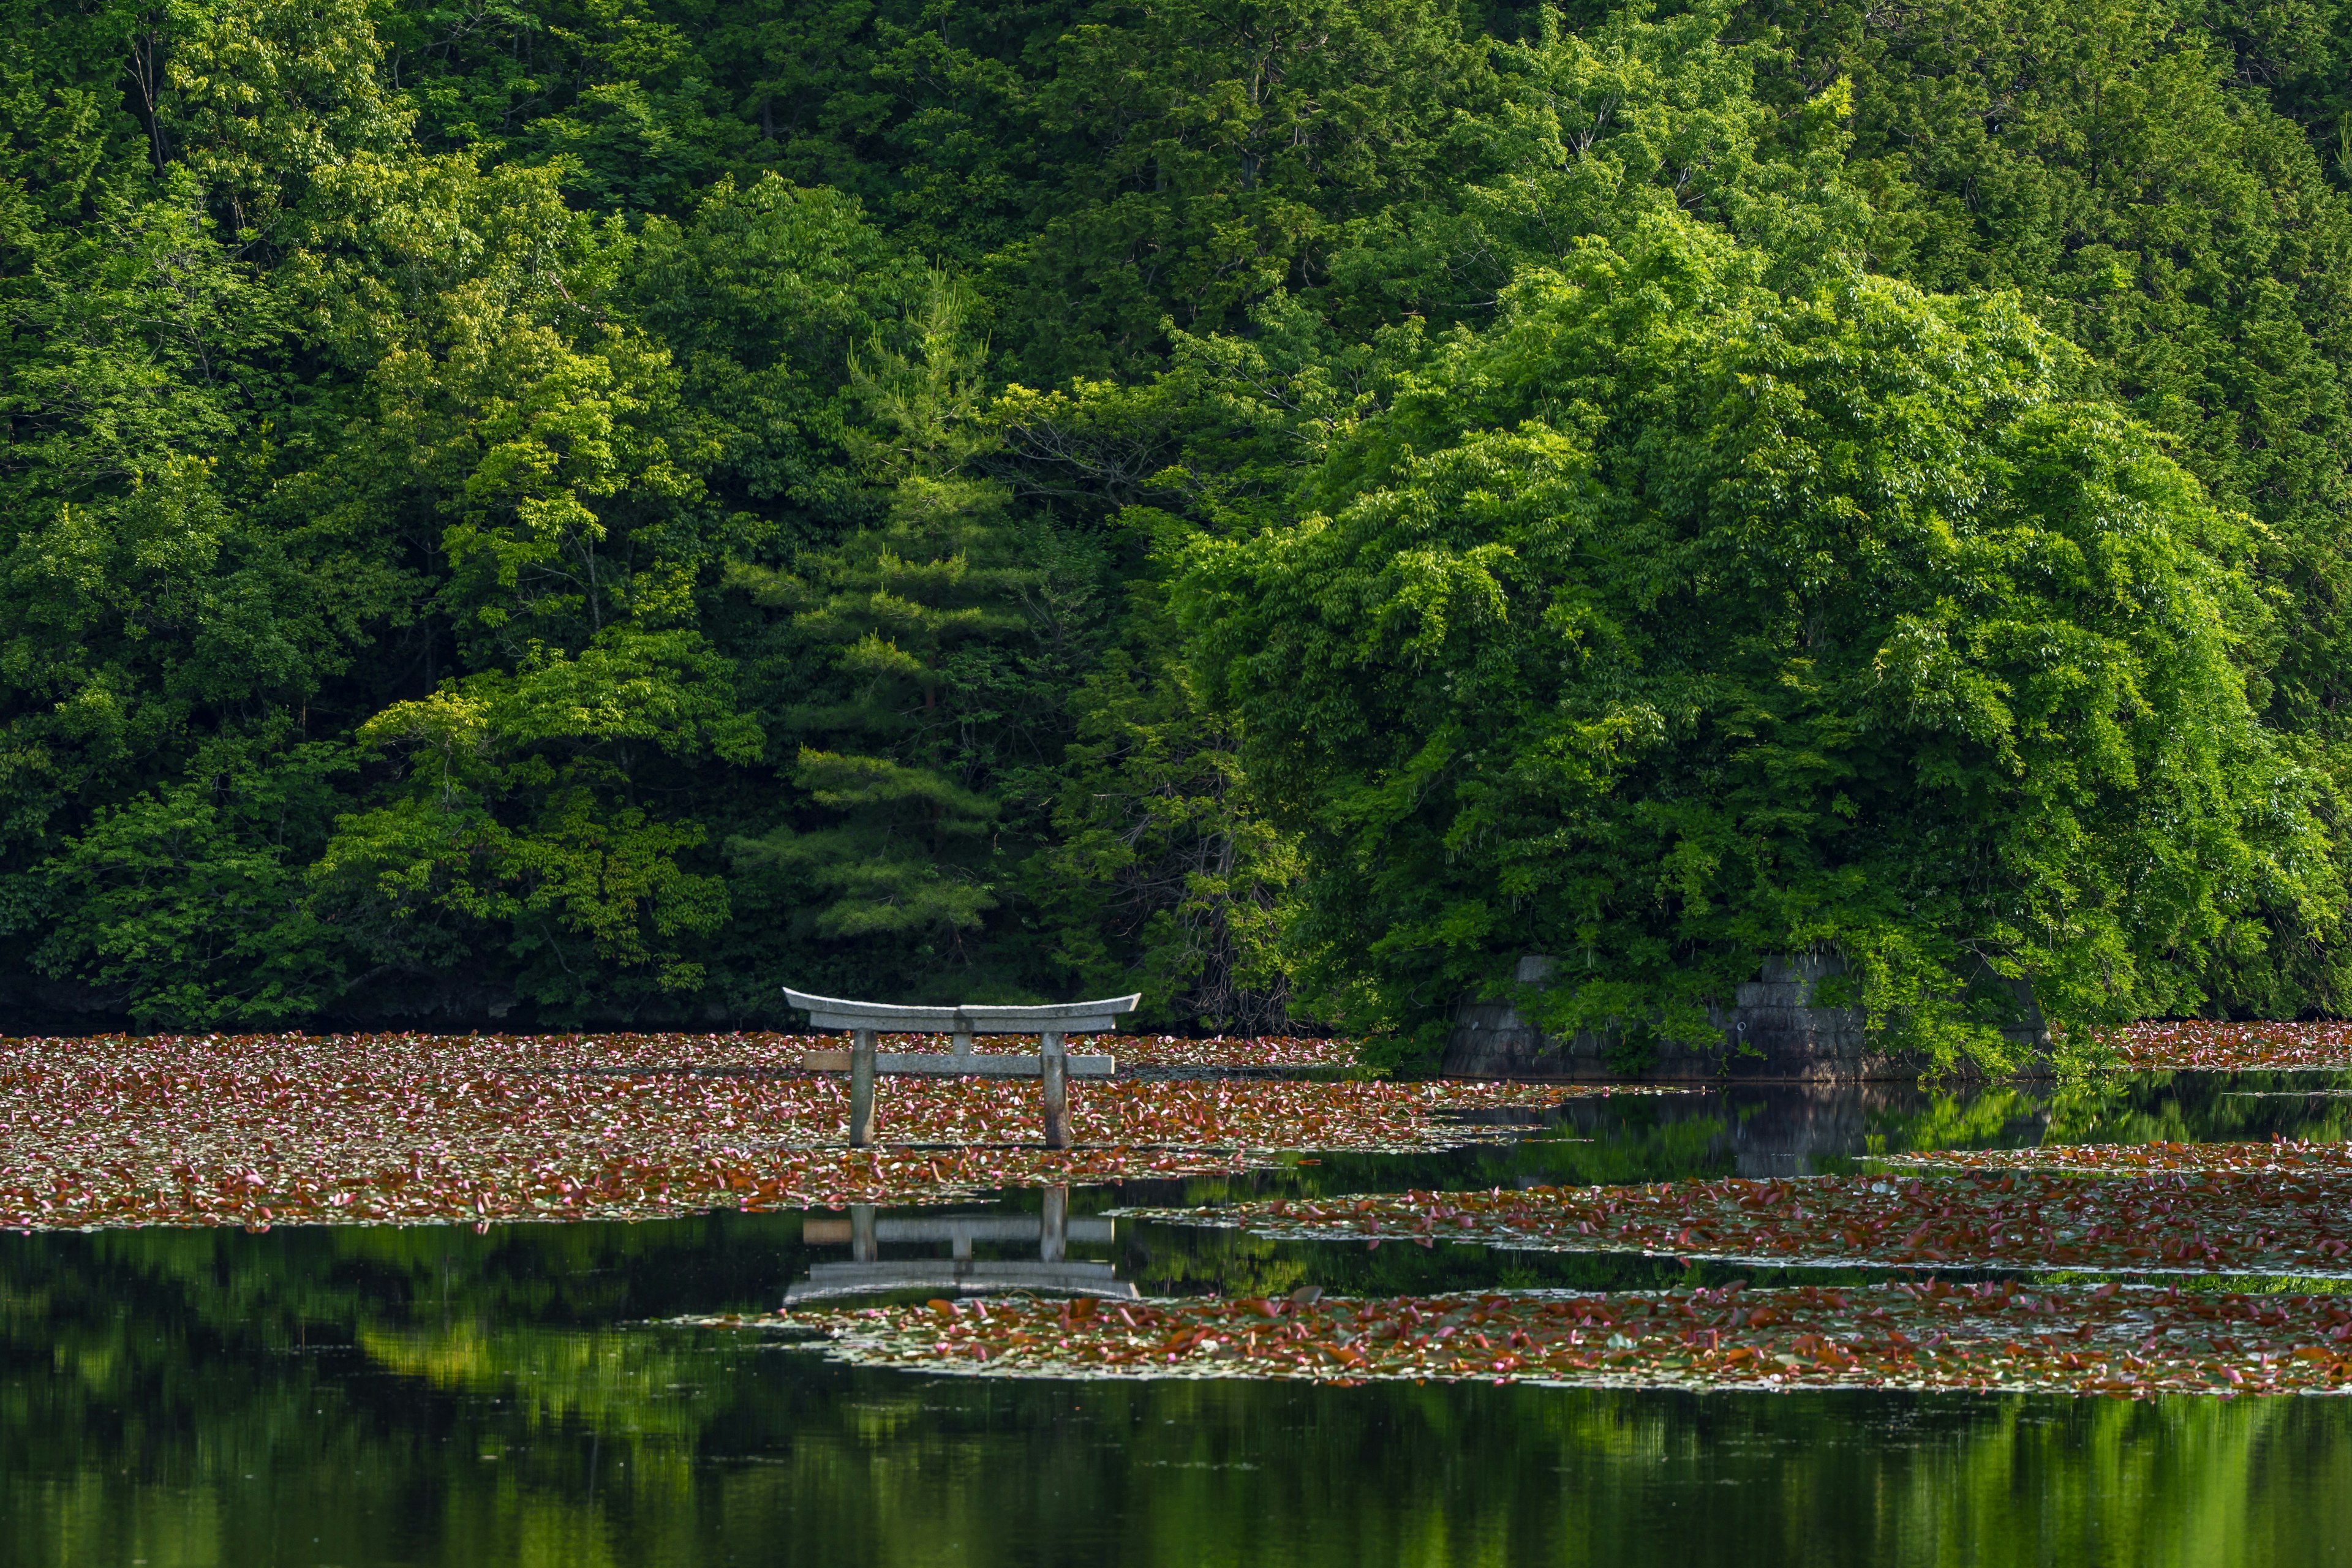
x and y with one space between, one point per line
593 511
1675 622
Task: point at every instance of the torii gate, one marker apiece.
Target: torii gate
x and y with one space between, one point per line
1052 1025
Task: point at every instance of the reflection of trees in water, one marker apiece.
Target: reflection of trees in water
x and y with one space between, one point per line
1785 1129
437 1395
2203 1107
499 1440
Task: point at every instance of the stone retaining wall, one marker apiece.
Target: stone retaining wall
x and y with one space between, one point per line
1773 1033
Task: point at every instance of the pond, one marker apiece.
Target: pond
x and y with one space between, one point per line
448 1394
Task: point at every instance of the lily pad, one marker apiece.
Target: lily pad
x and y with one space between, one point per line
2123 1340
405 1129
2188 1223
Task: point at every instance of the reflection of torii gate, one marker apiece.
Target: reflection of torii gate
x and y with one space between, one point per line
866 1272
1052 1025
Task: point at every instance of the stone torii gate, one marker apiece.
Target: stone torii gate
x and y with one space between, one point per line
1053 1064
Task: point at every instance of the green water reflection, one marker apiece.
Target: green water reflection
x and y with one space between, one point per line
443 1396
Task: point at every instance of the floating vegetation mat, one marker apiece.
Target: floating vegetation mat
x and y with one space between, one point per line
1218 1051
2198 1045
2281 1156
255 1130
740 1051
2201 1223
2128 1341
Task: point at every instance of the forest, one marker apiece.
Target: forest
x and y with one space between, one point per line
578 513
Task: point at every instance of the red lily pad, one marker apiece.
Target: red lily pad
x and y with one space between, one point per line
2124 1341
2190 1222
2281 1156
260 1129
2204 1045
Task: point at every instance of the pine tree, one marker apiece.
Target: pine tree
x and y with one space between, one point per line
911 634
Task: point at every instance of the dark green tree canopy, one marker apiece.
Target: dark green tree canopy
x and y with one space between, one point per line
502 525
1677 621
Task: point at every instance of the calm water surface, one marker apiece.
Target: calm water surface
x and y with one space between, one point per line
443 1396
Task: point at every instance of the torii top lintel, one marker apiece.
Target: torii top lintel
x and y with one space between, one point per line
965 1017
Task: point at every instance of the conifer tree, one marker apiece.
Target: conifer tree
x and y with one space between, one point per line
910 633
